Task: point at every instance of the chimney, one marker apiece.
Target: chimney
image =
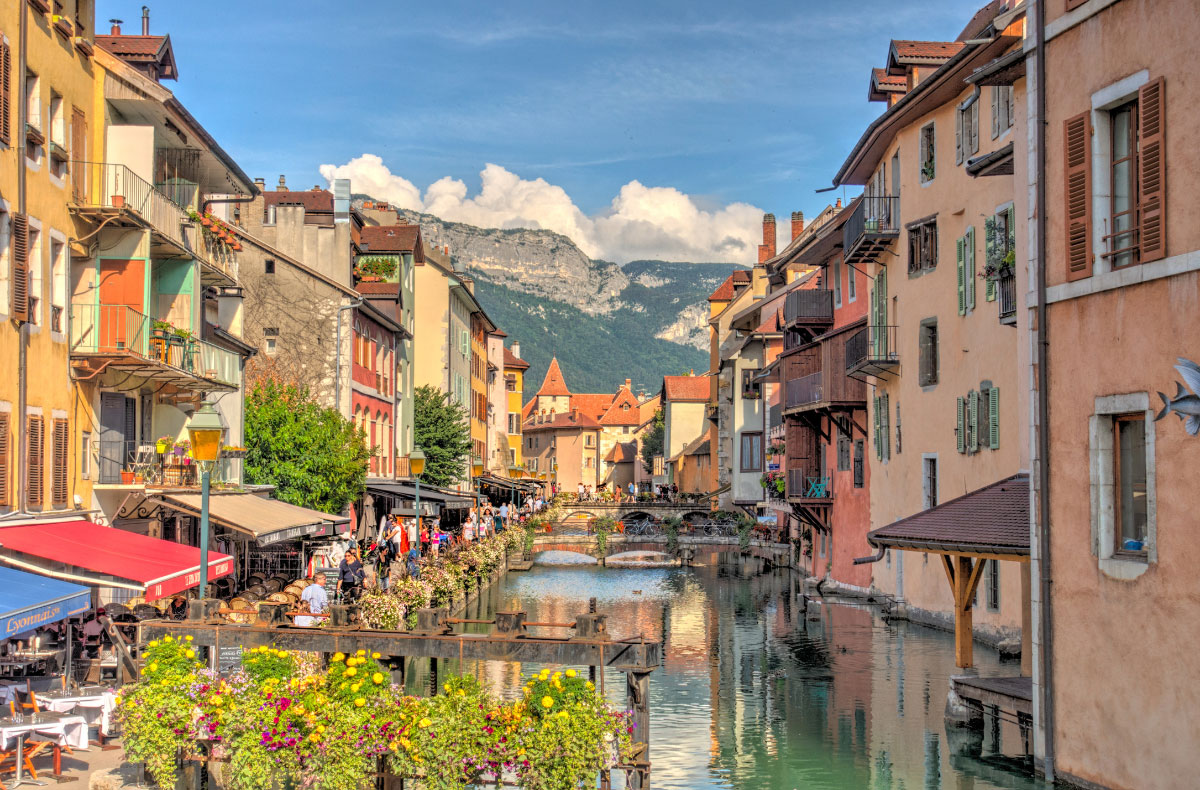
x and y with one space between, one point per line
116 27
838 204
145 20
766 250
629 384
260 184
446 249
282 184
516 349
797 224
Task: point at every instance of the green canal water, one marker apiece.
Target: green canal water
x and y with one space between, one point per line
754 693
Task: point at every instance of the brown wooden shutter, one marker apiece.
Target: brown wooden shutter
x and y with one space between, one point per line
1152 171
79 155
5 462
59 477
5 93
37 457
20 268
1077 196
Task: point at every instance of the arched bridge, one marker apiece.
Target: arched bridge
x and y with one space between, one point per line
580 542
633 510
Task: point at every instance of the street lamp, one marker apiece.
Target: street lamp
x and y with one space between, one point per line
416 464
476 469
204 430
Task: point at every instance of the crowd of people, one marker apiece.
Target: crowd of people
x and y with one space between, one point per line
630 493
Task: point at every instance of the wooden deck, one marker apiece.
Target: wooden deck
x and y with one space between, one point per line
1007 693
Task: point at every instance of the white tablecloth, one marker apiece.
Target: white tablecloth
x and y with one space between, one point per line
64 730
94 708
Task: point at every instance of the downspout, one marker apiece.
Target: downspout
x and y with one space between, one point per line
1043 407
337 376
23 326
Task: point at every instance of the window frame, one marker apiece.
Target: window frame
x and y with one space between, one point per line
922 246
1130 253
928 353
858 463
755 462
1121 565
1119 420
927 151
929 480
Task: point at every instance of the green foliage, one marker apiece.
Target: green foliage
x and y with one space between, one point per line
603 527
652 443
376 266
442 431
745 527
263 664
313 456
671 529
154 717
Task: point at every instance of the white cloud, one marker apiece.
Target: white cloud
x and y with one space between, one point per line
641 222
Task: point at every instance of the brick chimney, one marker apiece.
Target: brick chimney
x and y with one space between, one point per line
516 349
260 184
629 384
838 204
116 27
766 250
282 184
797 224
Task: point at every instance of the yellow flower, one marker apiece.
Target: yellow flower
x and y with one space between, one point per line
446 687
168 639
393 746
462 693
557 675
355 686
360 702
339 656
547 702
314 737
190 654
571 673
377 678
562 714
188 637
591 686
216 700
281 653
321 728
406 743
375 655
423 723
351 672
153 667
361 653
154 643
520 752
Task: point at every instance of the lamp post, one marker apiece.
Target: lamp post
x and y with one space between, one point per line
416 464
204 430
476 470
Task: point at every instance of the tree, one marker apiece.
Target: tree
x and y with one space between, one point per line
652 444
313 455
442 431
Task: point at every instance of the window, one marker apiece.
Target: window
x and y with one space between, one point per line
36 460
851 288
58 136
966 133
271 338
843 453
1002 109
514 422
34 273
751 389
33 100
510 382
587 462
269 266
835 271
589 440
1123 248
1129 483
752 452
881 415
927 154
5 91
929 481
6 256
1000 242
965 269
991 575
859 452
58 284
897 427
79 173
922 245
85 455
59 476
928 372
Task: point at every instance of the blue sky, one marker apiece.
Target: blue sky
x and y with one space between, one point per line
716 110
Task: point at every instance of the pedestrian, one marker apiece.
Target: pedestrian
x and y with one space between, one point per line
632 491
468 530
383 565
315 598
414 567
582 492
351 577
503 520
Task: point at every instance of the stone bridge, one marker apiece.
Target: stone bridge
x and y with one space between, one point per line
633 510
778 554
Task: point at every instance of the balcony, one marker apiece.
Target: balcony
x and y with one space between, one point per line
804 391
118 337
872 351
806 489
124 462
808 307
1006 295
871 228
115 195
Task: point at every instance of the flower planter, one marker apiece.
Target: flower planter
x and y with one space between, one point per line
161 448
126 478
118 201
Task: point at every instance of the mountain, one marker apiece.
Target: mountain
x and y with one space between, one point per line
605 322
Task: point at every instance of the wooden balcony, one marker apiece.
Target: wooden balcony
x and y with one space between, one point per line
809 307
871 229
817 378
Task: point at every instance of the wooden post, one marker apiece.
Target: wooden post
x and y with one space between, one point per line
637 687
1026 621
964 574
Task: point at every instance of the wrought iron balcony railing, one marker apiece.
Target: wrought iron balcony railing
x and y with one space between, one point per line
872 226
872 351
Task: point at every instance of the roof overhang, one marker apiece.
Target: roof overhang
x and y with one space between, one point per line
1004 70
995 163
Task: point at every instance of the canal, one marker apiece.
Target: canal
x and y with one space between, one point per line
755 693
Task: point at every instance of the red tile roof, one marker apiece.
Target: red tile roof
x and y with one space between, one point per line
499 333
139 51
391 238
741 277
593 404
566 421
310 199
511 360
925 50
616 415
378 288
993 519
685 388
887 81
724 291
554 384
622 453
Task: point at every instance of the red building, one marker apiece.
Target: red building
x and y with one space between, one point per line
373 385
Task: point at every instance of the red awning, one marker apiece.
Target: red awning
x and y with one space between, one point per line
159 566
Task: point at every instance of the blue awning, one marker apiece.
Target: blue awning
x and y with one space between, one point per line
28 601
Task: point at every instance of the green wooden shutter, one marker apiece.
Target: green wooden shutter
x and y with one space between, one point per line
989 253
882 307
970 266
873 321
885 428
994 418
875 425
961 429
960 264
972 422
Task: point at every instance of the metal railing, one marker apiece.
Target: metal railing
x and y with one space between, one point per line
112 329
872 344
805 390
1006 294
805 486
875 215
808 306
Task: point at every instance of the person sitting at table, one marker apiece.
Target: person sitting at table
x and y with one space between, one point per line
178 608
313 599
93 634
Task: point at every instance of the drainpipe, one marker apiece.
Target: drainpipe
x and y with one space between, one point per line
22 498
337 376
1043 408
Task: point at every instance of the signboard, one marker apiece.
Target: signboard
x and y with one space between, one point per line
28 618
331 580
229 658
291 533
773 466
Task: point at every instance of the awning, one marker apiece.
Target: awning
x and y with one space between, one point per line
157 567
450 500
993 521
266 520
28 601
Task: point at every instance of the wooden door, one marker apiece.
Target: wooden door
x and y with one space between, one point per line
120 319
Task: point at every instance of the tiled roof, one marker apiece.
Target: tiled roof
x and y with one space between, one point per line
554 384
311 199
699 449
681 388
741 277
622 453
391 289
925 50
132 46
993 519
511 360
593 404
724 291
615 415
499 333
562 421
888 82
391 238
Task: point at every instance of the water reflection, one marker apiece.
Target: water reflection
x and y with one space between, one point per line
755 692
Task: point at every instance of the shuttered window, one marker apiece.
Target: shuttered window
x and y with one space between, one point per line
969 240
966 137
993 407
59 476
1077 195
960 268
972 422
36 462
885 427
20 267
1152 193
5 461
960 430
5 91
875 422
79 155
928 342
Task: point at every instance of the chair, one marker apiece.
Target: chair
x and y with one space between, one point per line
32 749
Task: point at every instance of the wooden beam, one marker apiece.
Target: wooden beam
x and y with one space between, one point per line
973 581
964 571
950 553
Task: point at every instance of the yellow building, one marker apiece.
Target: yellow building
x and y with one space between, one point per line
514 387
481 326
45 117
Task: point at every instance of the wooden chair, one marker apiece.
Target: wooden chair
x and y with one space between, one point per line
32 749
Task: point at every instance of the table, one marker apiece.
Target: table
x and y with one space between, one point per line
94 703
61 729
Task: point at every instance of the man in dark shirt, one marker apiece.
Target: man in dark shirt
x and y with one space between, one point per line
351 576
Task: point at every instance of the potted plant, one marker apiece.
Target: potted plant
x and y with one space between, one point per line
164 444
126 477
118 201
